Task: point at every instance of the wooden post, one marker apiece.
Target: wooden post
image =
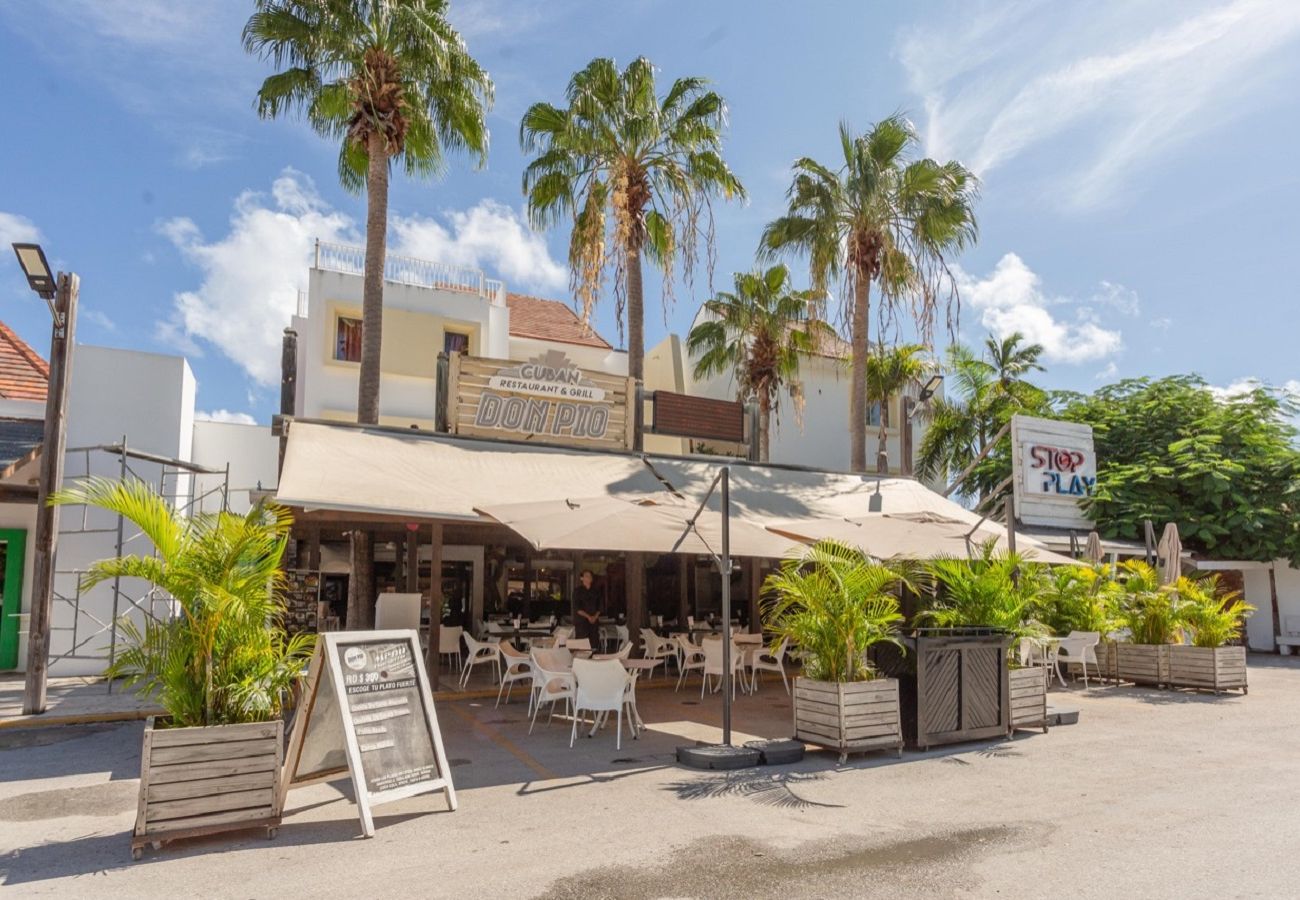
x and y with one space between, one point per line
361 582
313 549
51 479
755 586
413 560
634 582
1277 614
435 605
288 383
1010 515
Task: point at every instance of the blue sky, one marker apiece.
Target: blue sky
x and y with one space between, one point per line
1137 160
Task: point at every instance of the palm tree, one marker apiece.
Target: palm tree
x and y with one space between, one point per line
636 172
877 218
757 334
984 393
889 372
389 79
224 658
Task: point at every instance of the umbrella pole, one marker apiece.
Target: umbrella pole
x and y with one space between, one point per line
724 564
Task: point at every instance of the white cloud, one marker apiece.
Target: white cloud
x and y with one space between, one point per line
252 275
1109 372
1161 323
490 236
225 415
16 229
1125 80
96 317
1011 298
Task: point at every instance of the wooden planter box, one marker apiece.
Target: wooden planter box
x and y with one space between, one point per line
1106 660
1028 698
1212 668
197 781
1142 663
853 717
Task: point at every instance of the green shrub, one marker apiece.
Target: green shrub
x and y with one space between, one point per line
1080 598
1213 617
993 590
224 658
1151 611
834 604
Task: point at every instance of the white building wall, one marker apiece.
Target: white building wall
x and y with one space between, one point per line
1259 626
252 453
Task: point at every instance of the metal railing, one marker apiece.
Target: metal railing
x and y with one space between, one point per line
351 260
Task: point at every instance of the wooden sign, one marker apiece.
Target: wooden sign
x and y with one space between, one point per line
1054 469
367 710
546 399
703 418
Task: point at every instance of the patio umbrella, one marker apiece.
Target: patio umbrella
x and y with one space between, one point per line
923 536
1170 553
651 523
1092 550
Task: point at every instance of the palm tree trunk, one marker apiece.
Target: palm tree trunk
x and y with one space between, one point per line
635 316
882 449
372 304
361 593
858 383
764 427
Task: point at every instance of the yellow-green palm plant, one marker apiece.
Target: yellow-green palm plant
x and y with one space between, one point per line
1080 598
890 371
224 658
1213 616
391 80
1151 611
993 590
636 172
834 604
758 334
880 218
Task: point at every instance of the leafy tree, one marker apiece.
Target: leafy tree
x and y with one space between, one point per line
388 79
889 372
983 393
224 658
757 334
1225 470
636 172
880 218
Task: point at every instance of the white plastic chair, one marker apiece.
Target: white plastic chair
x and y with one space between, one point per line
518 667
603 686
562 634
689 658
1080 647
578 646
480 652
449 645
763 661
621 634
623 652
655 647
713 666
552 682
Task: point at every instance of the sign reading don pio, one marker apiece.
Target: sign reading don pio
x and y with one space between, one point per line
1054 468
546 399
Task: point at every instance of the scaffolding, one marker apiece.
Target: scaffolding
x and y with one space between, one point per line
81 637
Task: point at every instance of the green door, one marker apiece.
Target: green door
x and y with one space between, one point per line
13 551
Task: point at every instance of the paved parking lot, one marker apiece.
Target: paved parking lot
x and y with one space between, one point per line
1153 794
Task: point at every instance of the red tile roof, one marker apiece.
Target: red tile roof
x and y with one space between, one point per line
23 374
550 320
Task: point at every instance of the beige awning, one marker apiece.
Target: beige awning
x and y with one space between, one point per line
376 470
649 523
920 536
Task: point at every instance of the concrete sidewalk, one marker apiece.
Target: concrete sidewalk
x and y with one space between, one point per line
72 701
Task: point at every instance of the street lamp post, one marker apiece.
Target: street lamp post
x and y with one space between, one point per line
61 296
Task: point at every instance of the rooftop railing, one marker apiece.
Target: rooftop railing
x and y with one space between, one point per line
351 260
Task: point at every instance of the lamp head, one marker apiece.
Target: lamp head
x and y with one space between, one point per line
39 277
931 387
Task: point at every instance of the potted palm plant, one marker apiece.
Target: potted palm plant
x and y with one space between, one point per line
222 666
1152 614
993 593
1212 618
835 605
1083 598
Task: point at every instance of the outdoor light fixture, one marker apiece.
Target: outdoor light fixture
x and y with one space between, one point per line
39 277
931 387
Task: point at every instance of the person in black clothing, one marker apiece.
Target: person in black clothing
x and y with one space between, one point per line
586 604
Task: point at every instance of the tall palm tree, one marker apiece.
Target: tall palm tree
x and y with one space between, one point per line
984 393
879 218
890 370
636 172
392 81
757 333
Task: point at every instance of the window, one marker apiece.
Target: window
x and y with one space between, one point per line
874 410
455 342
347 340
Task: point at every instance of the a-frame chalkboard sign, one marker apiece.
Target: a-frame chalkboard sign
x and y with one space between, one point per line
366 710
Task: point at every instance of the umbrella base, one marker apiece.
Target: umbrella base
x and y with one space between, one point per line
777 752
717 756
